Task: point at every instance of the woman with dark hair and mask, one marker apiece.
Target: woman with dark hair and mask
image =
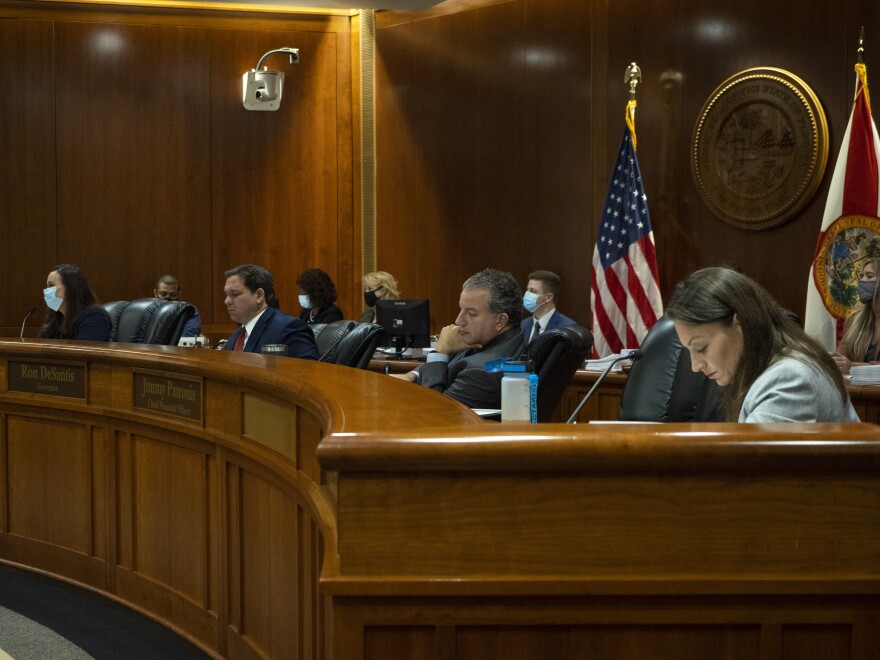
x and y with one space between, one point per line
861 332
317 293
378 285
771 371
74 312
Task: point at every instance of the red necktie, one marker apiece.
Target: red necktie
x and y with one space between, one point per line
239 342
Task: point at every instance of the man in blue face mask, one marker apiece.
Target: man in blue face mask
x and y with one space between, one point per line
540 298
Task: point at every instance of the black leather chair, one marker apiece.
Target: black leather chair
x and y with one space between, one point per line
153 321
330 336
356 348
662 387
168 323
114 310
556 355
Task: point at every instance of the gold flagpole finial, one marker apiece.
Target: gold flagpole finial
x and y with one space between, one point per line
632 77
861 49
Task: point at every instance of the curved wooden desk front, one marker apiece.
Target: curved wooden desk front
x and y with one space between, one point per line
212 489
185 483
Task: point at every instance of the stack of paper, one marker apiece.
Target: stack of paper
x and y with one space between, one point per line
869 373
602 363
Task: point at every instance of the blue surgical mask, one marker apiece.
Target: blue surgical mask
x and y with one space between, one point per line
866 291
530 301
304 301
53 302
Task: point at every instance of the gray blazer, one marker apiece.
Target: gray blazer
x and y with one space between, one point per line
464 377
794 390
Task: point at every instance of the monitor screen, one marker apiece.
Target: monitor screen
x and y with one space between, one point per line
407 322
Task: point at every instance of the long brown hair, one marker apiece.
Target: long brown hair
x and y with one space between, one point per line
717 295
858 331
77 296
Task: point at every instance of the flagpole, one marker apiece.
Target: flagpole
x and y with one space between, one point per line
861 49
632 77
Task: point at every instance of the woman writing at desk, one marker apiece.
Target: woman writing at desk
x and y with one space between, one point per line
861 332
74 312
771 371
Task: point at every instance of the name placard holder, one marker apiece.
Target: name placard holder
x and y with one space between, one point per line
67 379
176 395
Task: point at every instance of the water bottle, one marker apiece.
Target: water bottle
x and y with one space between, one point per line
519 393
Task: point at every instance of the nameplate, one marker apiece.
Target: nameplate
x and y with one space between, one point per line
169 395
50 378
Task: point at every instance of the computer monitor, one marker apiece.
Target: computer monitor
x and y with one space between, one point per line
407 322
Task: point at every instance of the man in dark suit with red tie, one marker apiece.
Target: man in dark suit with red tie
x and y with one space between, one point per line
250 301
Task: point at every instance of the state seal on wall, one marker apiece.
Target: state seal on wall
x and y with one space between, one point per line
844 247
759 148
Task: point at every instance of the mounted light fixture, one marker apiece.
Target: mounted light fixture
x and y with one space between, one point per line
262 89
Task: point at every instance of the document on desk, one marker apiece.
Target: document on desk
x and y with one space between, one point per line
869 373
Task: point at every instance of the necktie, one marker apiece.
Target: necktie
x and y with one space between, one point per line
239 342
535 332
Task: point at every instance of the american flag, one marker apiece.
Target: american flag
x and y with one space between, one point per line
625 300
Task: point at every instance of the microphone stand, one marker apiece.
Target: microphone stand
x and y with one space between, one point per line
632 355
21 334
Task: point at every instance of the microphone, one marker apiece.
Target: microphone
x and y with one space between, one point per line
21 334
632 355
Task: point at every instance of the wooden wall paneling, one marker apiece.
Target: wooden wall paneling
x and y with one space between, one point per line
275 195
27 169
450 171
133 134
349 265
558 228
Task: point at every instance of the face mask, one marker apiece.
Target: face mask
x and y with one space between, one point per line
304 301
370 298
53 302
530 301
866 291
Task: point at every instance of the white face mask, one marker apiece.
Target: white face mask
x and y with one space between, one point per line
304 301
53 302
530 301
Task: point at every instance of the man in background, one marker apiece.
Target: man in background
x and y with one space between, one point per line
540 298
168 288
487 329
250 300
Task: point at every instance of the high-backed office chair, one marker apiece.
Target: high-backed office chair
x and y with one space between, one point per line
357 347
330 337
556 355
662 387
168 323
152 321
114 310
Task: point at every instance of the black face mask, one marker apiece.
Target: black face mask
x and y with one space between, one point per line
370 298
866 291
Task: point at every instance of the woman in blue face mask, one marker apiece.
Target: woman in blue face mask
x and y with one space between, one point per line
317 293
74 312
861 333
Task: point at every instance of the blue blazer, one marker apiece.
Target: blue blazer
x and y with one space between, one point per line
275 327
558 320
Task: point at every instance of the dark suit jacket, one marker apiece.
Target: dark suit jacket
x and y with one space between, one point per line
326 315
276 327
464 377
558 320
93 324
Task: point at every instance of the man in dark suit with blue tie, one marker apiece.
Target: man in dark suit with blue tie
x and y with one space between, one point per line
250 301
540 298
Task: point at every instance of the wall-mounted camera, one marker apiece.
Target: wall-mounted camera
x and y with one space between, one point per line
261 87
